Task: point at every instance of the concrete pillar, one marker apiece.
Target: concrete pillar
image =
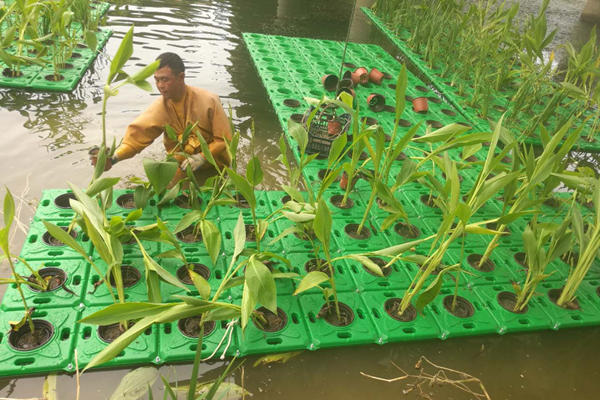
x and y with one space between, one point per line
591 12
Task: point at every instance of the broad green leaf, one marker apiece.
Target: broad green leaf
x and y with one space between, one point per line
432 290
298 132
322 223
312 279
188 219
100 185
336 149
122 55
9 209
248 304
261 283
120 343
49 389
60 234
368 263
91 41
243 187
159 173
239 236
298 217
145 72
135 384
211 236
124 311
200 283
141 196
254 173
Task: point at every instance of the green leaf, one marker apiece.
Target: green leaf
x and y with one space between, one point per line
243 186
91 41
276 358
122 55
123 312
432 290
298 132
9 209
188 219
145 72
112 350
200 283
49 389
322 223
141 196
211 236
159 173
312 279
368 263
60 234
135 384
261 283
336 149
248 304
254 173
239 236
100 185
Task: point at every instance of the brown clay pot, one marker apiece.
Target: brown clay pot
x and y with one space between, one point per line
420 104
334 127
376 76
346 83
376 102
330 82
360 76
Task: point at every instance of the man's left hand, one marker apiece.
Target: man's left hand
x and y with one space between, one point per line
195 161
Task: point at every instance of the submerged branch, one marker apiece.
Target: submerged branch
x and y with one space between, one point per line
442 376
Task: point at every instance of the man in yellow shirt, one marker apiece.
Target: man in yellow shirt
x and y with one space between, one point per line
179 106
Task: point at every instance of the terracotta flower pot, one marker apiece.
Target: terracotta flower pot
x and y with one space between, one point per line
376 76
350 91
334 127
347 75
420 104
376 102
360 76
330 82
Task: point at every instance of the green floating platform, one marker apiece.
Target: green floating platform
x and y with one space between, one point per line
44 78
458 97
291 68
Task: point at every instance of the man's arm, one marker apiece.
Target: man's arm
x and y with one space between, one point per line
142 131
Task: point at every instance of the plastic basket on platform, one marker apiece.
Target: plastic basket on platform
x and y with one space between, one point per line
324 128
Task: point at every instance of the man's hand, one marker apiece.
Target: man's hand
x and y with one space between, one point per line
195 161
94 158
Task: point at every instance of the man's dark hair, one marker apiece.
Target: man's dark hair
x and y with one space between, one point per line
172 61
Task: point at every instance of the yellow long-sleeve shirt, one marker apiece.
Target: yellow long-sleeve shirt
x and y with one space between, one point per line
197 106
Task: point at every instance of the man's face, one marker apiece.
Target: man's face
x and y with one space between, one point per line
169 84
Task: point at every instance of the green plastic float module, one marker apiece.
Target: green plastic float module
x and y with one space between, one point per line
66 279
461 313
500 299
357 326
54 205
178 340
393 326
515 259
45 78
349 239
92 339
133 273
584 311
123 204
58 330
41 246
281 332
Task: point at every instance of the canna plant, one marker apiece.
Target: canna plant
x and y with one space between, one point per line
587 238
116 79
543 243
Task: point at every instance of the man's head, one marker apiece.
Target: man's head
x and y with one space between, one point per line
170 76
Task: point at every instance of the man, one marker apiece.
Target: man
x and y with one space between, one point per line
179 106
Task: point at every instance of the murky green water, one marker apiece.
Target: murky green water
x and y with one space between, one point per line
45 144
